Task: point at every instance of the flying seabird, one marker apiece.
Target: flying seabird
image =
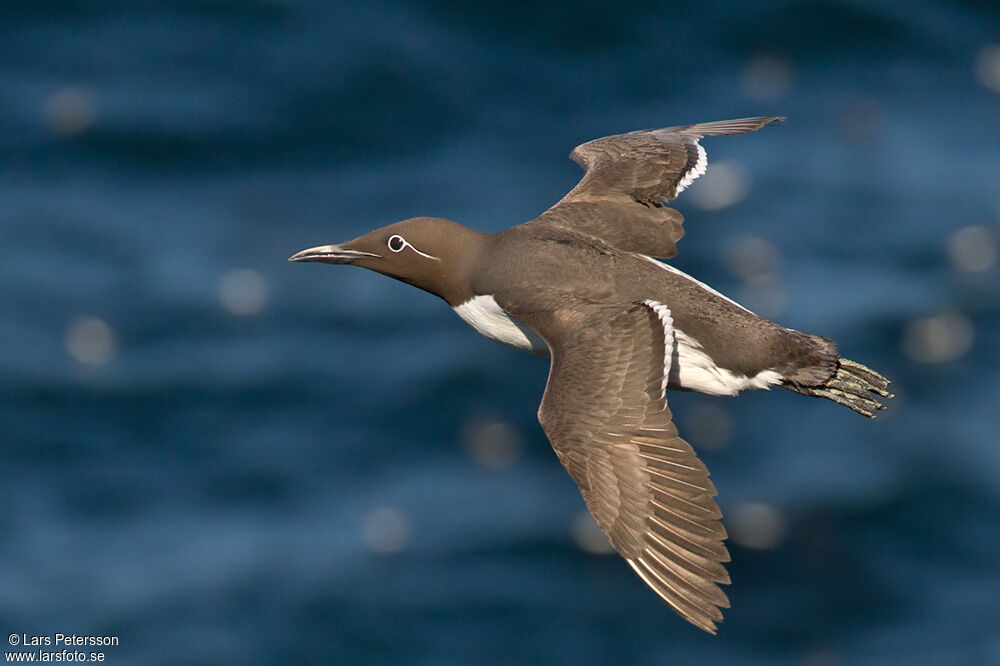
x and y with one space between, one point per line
581 284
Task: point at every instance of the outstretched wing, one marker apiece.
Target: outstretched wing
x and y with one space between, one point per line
605 413
628 179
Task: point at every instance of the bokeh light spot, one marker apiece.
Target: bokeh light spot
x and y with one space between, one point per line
90 340
589 537
385 530
988 67
242 292
491 443
756 525
723 185
752 259
972 249
820 658
767 78
70 110
938 339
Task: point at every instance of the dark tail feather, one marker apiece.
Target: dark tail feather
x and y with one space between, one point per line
852 385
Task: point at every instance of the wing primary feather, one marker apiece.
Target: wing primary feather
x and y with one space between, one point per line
688 611
711 569
713 529
676 584
681 539
693 580
730 127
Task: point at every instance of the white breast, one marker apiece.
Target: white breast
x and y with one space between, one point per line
488 318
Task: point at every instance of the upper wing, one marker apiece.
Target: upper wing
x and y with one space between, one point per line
629 177
606 416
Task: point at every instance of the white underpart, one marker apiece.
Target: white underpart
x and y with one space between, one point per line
698 372
697 170
676 271
663 312
485 315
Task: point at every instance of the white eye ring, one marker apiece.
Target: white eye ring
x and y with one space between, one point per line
402 243
396 243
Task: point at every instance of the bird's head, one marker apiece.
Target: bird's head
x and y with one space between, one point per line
428 252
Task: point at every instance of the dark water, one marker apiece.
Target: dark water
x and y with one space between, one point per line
220 457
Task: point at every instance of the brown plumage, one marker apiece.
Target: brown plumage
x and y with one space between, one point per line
580 284
629 178
643 484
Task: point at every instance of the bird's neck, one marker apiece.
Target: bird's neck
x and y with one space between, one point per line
464 253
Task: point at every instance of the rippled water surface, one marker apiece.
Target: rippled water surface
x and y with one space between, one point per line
220 457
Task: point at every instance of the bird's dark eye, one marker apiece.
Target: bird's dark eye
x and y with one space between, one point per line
396 243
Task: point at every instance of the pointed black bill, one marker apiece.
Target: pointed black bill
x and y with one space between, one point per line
330 254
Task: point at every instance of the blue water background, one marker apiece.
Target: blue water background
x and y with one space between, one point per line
204 484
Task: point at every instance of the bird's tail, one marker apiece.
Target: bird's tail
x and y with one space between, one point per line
852 385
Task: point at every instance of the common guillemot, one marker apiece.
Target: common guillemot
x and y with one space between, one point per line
581 284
